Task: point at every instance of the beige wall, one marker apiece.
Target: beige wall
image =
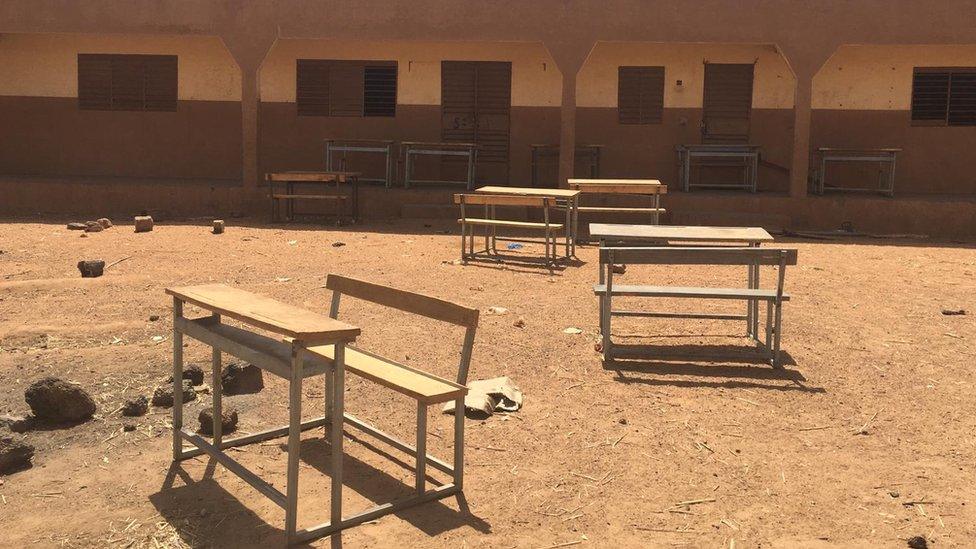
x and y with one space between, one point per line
596 84
46 65
880 77
536 82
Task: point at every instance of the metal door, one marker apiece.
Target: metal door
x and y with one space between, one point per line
476 103
727 104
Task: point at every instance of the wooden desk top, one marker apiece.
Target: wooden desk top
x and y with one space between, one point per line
528 191
323 176
679 233
443 144
857 150
621 186
266 313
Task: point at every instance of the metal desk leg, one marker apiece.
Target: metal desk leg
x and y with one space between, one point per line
891 177
569 229
217 388
335 434
406 169
355 200
177 381
575 222
294 442
823 175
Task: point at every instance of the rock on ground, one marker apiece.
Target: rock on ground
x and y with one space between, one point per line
14 455
91 269
143 223
56 400
136 406
163 396
93 227
192 372
228 420
240 379
77 226
17 424
104 222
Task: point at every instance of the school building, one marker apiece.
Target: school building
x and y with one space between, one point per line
182 107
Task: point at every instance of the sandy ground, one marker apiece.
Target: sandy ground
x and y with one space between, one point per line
597 457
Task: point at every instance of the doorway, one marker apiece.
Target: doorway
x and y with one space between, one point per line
476 104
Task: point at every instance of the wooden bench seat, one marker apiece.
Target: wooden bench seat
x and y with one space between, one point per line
422 386
425 388
506 223
620 209
622 290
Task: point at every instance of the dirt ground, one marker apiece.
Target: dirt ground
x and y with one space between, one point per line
865 439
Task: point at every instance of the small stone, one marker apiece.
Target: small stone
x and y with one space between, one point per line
128 427
338 244
153 318
894 494
573 331
496 310
228 421
17 424
14 455
92 268
143 223
163 396
598 346
240 379
520 323
918 542
191 372
135 406
104 222
619 269
218 226
622 421
77 226
94 228
56 400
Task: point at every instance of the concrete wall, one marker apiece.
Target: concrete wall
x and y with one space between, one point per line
44 133
862 98
648 150
289 141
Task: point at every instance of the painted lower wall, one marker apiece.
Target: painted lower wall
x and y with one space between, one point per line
649 150
51 136
862 98
292 142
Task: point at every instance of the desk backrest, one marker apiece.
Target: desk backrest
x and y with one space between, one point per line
419 304
698 256
503 200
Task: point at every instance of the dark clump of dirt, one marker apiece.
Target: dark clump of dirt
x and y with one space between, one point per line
14 455
228 421
135 406
241 379
55 400
163 396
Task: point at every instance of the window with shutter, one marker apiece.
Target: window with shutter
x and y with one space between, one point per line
123 82
345 88
944 97
640 95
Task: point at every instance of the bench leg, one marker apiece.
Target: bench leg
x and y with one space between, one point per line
421 448
177 381
769 330
459 442
217 388
777 335
335 433
464 255
605 306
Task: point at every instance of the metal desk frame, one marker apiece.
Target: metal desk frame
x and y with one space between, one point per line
361 146
566 199
748 153
752 307
546 151
295 371
411 149
886 177
290 179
